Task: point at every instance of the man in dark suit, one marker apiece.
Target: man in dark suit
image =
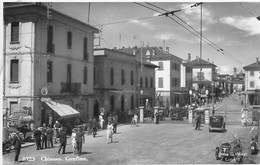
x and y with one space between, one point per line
37 136
63 139
17 143
49 135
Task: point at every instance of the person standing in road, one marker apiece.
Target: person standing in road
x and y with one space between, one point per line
115 121
44 137
197 121
156 118
49 135
109 132
74 141
17 143
56 127
37 136
101 120
63 139
80 138
95 127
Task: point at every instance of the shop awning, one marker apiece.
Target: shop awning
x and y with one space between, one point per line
63 110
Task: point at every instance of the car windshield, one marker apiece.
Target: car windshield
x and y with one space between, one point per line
215 119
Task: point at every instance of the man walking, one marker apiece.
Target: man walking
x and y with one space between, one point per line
17 143
115 121
44 137
63 139
37 136
80 138
49 135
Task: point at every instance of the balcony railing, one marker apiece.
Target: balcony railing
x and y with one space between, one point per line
73 88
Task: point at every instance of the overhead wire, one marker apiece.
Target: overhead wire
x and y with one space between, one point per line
210 43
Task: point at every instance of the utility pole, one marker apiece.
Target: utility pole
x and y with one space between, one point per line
88 12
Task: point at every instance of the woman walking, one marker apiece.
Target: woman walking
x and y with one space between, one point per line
109 132
73 140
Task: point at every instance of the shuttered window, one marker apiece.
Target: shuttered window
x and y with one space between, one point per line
14 71
15 32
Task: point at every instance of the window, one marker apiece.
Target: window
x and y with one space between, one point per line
132 77
146 82
252 73
85 49
68 73
112 76
69 40
13 107
151 82
132 102
85 75
50 46
112 103
49 71
95 81
15 32
141 82
173 82
161 65
200 76
252 84
122 77
14 71
160 84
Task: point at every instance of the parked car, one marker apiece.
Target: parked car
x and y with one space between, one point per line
216 123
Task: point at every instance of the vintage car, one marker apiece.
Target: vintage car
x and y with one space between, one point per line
216 123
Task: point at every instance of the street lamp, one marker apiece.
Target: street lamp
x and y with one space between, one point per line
190 92
141 92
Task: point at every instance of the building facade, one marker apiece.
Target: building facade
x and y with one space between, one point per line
46 59
170 85
252 83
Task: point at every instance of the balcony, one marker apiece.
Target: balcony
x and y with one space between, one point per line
72 88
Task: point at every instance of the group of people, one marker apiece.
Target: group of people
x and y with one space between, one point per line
43 137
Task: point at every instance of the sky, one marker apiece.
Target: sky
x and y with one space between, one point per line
230 30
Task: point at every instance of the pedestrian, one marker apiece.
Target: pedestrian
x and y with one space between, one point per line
101 121
90 126
74 141
95 127
109 132
56 127
49 135
115 121
197 121
24 130
135 119
17 143
156 118
80 138
213 111
43 136
63 139
37 136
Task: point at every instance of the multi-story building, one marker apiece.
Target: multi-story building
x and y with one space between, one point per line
115 81
169 89
252 82
48 62
204 74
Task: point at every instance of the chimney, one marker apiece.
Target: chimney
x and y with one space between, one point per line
167 49
208 61
189 57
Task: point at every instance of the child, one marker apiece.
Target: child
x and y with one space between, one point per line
109 132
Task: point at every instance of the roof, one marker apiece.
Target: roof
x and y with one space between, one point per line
155 53
201 62
253 67
13 5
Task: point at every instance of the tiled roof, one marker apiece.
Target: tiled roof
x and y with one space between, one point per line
254 66
198 62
